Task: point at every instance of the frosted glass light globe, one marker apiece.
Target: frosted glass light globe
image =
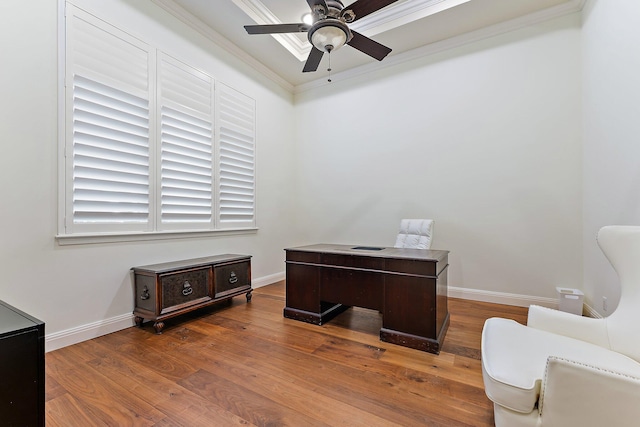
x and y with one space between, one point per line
328 38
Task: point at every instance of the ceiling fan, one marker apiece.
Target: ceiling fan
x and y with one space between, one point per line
329 30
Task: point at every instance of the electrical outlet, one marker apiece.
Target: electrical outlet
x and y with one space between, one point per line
605 306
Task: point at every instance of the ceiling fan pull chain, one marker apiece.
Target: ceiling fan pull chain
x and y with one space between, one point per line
329 69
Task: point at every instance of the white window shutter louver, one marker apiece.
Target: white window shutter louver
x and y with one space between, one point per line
236 127
186 154
151 144
109 125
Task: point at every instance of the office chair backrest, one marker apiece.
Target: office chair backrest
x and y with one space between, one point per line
415 233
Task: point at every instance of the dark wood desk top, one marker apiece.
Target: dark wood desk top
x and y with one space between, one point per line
375 251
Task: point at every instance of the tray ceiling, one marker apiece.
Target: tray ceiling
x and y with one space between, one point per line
409 27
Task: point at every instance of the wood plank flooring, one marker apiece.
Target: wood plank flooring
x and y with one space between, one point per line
245 364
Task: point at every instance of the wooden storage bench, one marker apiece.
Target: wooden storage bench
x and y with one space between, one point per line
173 288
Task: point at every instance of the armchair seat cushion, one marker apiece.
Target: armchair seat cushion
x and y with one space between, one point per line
514 359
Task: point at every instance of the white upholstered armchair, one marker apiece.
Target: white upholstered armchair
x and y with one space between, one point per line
565 370
415 233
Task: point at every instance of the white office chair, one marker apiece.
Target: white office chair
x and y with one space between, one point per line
415 233
568 370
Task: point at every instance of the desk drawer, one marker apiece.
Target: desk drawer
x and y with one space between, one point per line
353 261
184 288
302 256
417 267
231 278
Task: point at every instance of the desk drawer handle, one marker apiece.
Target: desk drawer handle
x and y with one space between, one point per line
233 278
187 289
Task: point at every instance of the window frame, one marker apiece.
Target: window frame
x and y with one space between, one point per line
68 231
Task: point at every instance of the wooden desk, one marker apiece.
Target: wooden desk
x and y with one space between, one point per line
408 286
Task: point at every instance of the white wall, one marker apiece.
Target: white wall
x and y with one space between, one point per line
88 287
611 31
484 138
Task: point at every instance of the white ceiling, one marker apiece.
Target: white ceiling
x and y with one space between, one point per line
408 27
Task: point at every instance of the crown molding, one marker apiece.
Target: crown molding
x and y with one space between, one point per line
390 17
453 42
193 22
401 13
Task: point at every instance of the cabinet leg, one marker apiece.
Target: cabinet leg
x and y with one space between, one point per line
138 321
158 326
249 295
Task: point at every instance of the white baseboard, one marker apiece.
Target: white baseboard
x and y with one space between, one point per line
500 297
78 334
81 333
267 280
89 331
513 299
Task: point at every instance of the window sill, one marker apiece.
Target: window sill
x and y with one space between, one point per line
87 239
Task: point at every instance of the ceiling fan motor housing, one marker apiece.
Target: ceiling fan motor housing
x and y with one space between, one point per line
335 9
336 4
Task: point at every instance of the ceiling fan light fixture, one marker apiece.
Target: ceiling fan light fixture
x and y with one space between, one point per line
307 18
329 35
329 30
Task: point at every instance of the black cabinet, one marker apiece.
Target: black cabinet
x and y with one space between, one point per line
21 368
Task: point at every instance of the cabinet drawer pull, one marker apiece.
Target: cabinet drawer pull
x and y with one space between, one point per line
145 293
233 278
187 289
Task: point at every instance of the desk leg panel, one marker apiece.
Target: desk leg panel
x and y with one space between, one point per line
303 288
442 304
410 306
303 296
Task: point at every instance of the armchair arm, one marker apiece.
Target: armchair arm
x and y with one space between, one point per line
581 395
582 328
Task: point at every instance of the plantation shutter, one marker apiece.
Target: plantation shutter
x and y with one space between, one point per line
107 151
140 152
186 138
236 159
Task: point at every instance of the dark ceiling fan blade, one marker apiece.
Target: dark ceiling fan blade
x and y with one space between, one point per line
316 2
313 60
276 28
362 8
365 45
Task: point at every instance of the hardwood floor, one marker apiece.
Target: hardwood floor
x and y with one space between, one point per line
245 364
